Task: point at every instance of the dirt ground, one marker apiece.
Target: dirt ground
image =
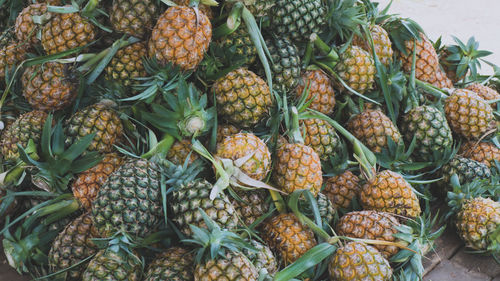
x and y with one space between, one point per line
461 18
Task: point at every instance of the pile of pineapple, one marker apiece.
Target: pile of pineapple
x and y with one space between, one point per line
239 140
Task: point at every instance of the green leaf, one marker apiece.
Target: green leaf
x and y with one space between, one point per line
78 148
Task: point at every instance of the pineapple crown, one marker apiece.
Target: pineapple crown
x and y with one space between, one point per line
57 165
214 242
187 114
401 30
344 17
489 188
465 57
177 175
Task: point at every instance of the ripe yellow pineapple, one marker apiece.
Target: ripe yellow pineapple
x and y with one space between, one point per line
320 89
468 114
320 136
181 36
174 264
372 127
287 236
180 150
25 28
87 184
342 189
485 92
357 69
49 87
127 64
389 192
297 166
12 54
484 152
134 17
225 130
381 42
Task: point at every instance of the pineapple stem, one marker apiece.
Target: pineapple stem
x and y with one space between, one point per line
232 23
430 89
295 130
331 54
161 148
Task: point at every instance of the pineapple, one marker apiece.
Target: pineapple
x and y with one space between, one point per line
320 136
427 66
469 115
25 28
67 31
181 36
326 208
487 93
175 264
117 265
180 151
298 167
243 97
133 17
389 192
130 200
466 169
478 222
250 205
242 43
73 245
372 128
258 8
187 200
251 152
371 225
286 63
483 152
320 89
27 126
263 258
11 55
87 184
358 261
298 19
225 130
381 42
231 267
99 118
428 125
287 236
342 189
49 87
357 69
127 64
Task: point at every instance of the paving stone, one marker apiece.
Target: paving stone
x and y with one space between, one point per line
445 247
450 271
477 263
7 273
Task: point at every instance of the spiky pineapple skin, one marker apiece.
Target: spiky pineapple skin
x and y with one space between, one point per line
469 115
477 219
430 128
109 265
286 64
27 126
263 258
427 66
483 152
298 19
127 64
180 37
242 145
130 200
298 167
326 208
189 197
321 136
67 31
390 192
320 89
371 225
466 169
244 98
342 189
133 17
241 41
485 92
381 42
231 267
73 245
372 127
225 130
357 69
98 118
175 264
48 87
358 261
253 205
87 184
25 27
11 55
288 237
180 151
